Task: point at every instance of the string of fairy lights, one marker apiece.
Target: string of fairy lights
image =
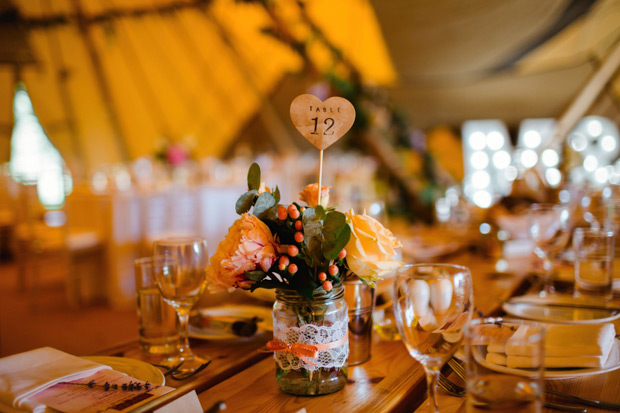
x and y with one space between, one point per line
492 163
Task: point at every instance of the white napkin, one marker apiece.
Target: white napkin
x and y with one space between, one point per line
24 374
584 345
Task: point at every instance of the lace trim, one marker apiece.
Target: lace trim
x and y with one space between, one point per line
312 334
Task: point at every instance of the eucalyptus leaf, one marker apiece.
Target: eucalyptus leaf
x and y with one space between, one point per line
276 194
263 203
256 275
313 235
319 211
334 223
245 201
267 284
254 177
337 234
331 248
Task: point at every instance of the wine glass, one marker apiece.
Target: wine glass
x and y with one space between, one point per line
549 226
180 272
432 304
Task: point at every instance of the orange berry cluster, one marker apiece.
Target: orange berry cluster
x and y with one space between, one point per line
284 263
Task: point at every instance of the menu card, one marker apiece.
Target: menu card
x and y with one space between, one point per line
78 396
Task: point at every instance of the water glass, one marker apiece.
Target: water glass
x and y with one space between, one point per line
504 365
612 222
432 304
360 300
158 322
594 256
549 227
180 278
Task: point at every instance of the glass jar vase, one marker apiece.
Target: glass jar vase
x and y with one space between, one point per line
315 336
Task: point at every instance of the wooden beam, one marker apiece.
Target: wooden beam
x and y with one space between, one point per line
78 161
101 82
584 100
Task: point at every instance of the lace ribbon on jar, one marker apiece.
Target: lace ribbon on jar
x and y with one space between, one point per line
331 341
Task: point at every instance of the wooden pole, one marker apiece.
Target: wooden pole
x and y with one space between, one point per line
320 174
102 82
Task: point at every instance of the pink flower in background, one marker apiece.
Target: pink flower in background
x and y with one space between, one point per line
176 154
248 245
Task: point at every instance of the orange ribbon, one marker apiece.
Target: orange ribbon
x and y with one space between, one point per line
301 350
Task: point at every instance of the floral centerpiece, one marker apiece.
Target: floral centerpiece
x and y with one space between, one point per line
304 251
174 153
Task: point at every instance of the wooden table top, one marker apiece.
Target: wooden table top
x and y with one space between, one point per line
391 381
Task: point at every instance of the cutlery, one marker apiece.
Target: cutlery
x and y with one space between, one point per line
458 368
456 390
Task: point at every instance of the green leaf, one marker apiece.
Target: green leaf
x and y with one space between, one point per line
245 201
302 283
264 202
320 212
332 248
313 235
267 284
281 374
256 275
276 194
254 177
334 222
337 234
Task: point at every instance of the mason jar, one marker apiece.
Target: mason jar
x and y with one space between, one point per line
314 336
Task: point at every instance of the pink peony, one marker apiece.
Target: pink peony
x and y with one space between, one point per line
248 245
176 154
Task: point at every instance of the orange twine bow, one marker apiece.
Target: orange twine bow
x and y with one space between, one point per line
301 350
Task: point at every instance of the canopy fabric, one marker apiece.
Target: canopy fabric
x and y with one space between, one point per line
487 59
112 78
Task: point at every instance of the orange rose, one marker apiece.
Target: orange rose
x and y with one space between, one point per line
248 245
310 195
371 249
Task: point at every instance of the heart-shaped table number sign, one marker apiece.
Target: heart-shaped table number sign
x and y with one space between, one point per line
322 123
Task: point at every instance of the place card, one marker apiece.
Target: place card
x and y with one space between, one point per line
76 395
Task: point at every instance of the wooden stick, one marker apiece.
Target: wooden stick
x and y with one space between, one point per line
320 174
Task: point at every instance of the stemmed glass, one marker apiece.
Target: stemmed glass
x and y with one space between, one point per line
549 226
432 304
180 271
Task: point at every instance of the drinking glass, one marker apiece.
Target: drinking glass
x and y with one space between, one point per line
549 227
594 256
432 303
504 365
612 222
180 278
157 320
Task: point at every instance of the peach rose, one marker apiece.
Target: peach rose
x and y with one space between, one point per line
371 249
248 245
310 195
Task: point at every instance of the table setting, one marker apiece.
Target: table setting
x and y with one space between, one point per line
329 310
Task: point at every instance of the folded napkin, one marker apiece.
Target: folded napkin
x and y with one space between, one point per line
23 375
584 345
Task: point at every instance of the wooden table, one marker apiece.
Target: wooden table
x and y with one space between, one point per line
391 381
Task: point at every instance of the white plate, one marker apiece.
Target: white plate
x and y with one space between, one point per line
236 311
134 368
532 307
613 363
